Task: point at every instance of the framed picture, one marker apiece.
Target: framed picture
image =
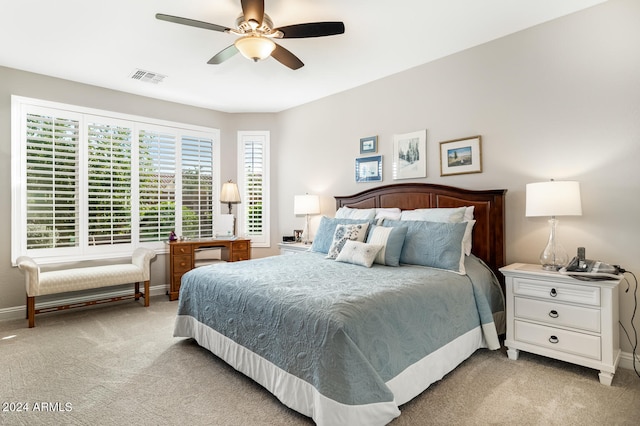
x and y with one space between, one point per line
461 156
410 155
369 169
369 145
297 234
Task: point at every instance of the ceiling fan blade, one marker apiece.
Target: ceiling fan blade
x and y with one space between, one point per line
286 58
191 22
223 55
253 10
312 29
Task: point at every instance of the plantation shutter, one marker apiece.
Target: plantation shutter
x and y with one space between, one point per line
253 186
157 153
91 184
109 184
52 186
197 187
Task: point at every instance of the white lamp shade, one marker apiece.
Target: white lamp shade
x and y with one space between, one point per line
229 193
255 48
553 198
306 204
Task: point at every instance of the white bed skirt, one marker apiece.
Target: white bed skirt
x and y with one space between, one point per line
304 398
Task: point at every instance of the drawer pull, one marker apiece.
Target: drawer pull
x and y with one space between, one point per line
554 339
553 313
553 292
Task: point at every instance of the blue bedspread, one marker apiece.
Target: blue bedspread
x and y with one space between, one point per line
344 329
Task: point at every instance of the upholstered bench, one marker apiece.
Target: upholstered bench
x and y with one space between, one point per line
52 282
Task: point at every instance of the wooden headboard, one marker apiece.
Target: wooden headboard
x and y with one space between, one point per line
488 232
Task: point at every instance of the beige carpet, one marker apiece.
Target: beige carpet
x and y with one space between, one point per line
119 364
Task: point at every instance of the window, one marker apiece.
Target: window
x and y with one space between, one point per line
253 182
90 184
109 149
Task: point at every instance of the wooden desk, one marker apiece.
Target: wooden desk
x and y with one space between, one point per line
182 257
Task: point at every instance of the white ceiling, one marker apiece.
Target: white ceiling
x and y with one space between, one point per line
103 42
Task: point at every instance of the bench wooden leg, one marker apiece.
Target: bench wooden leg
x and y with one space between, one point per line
146 293
31 311
136 291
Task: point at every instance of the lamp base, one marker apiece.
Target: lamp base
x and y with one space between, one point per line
554 256
552 267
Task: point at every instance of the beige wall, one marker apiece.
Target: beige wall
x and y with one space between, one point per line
560 100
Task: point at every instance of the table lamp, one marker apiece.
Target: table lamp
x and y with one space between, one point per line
306 205
553 198
229 194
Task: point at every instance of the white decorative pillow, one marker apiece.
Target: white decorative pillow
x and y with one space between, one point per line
344 233
391 239
358 253
451 215
468 213
359 214
387 213
467 239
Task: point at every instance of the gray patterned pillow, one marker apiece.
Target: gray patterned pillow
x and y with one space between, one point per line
343 233
358 253
324 235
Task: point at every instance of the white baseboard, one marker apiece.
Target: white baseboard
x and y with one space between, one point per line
626 361
17 312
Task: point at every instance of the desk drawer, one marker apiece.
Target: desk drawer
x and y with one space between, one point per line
182 249
241 245
240 251
560 340
181 264
557 291
239 255
558 314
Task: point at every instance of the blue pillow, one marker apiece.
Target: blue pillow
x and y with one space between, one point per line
391 239
434 244
324 236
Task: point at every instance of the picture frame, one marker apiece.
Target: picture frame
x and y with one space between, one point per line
369 145
297 234
461 156
369 169
410 155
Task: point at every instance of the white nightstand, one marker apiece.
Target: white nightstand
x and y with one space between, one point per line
560 317
293 248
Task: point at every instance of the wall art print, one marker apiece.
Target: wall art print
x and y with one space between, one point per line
410 155
461 156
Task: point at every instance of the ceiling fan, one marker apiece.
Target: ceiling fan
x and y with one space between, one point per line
256 32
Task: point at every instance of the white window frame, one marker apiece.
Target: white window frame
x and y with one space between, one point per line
21 106
260 136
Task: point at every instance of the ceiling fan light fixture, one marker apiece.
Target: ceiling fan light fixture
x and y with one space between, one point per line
255 48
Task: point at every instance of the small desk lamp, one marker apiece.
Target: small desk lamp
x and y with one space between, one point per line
229 194
306 204
553 198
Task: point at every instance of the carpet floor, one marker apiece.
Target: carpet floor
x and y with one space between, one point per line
120 365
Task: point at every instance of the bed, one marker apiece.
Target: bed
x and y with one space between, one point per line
349 331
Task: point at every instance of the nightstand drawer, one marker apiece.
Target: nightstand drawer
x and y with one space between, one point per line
557 291
560 340
558 314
